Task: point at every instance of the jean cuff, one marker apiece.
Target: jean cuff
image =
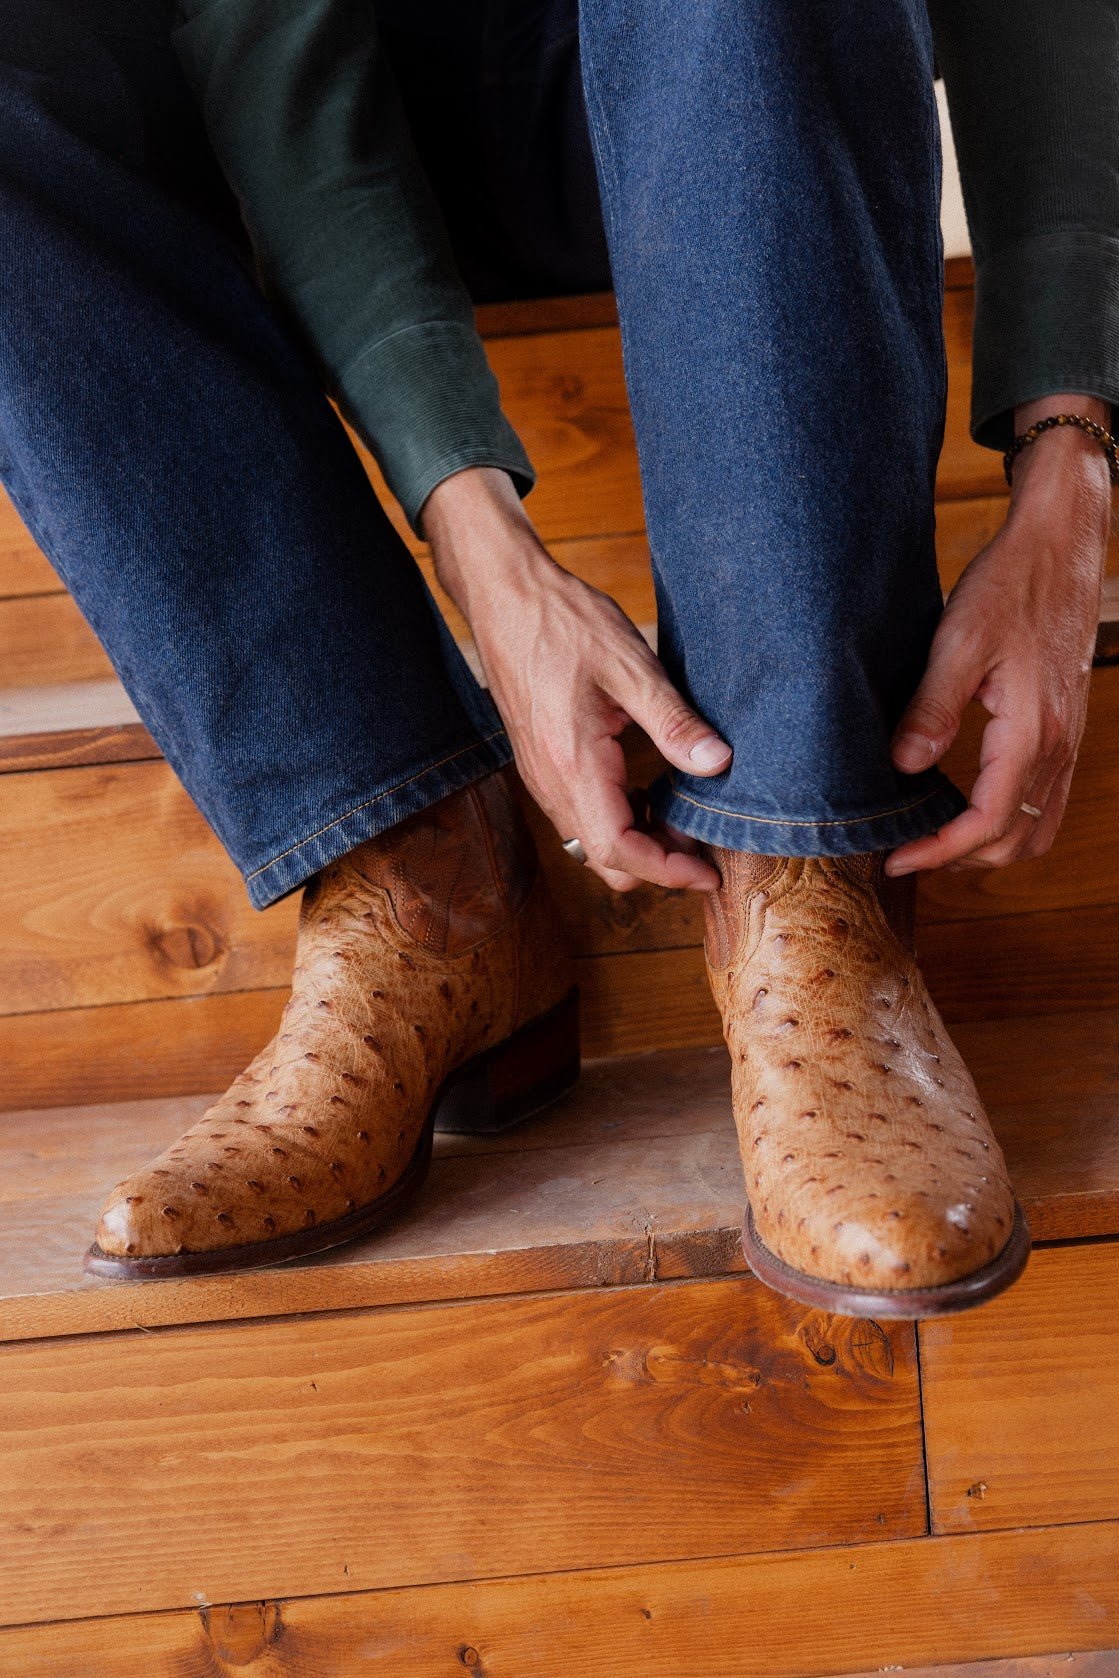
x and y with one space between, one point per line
930 805
294 866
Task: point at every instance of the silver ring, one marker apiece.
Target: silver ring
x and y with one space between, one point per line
1030 810
574 849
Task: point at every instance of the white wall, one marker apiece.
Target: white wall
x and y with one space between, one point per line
952 221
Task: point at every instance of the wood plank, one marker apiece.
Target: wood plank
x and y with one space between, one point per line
1044 963
70 724
180 1044
23 569
447 1442
128 897
633 1178
964 468
885 1607
1021 1399
1102 1663
44 638
1107 641
546 314
646 1000
959 271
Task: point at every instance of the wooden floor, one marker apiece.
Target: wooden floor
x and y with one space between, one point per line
548 1426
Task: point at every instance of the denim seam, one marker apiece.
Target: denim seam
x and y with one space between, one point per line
793 821
387 793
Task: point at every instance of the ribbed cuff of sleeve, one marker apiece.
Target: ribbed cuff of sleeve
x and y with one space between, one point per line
1046 320
426 402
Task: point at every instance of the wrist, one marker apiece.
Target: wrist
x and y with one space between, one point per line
1064 464
480 536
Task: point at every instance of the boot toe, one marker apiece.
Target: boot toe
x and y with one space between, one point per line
884 1244
134 1222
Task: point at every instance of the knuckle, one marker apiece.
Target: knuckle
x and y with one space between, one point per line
1053 729
675 723
934 713
962 640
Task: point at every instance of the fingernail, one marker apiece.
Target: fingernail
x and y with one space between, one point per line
896 869
709 753
915 749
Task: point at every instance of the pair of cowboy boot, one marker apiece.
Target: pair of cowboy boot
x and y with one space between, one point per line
432 989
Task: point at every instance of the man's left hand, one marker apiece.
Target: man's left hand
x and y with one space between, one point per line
1018 634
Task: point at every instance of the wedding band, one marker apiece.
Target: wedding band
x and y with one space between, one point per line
1030 810
574 849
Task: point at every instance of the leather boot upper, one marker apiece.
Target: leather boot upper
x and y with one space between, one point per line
416 951
869 1160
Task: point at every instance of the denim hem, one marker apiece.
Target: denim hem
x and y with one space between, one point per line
771 836
293 867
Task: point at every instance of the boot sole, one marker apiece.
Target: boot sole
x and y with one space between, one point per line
495 1090
902 1304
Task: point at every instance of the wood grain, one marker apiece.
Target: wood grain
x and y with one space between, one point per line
127 897
1053 962
1021 1399
894 1607
44 638
178 1045
23 569
1102 1663
447 1442
71 723
633 1178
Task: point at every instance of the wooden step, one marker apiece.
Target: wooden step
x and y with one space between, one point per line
559 364
551 1396
897 1606
633 1179
133 964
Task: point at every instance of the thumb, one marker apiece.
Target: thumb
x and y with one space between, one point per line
678 733
932 718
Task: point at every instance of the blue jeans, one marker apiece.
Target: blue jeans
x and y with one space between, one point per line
769 177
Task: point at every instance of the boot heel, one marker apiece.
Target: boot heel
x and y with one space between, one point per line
516 1078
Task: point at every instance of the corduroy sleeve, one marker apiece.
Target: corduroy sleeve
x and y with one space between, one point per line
306 122
1033 91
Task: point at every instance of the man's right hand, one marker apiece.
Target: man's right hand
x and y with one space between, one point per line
568 671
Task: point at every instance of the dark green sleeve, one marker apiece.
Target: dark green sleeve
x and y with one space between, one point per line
1033 90
301 109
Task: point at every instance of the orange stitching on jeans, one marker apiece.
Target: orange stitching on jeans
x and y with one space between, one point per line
388 792
791 821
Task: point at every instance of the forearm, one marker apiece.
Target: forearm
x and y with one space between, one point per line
306 122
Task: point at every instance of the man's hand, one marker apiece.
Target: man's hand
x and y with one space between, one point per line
567 671
1018 634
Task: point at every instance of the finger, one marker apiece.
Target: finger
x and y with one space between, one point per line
610 876
679 734
600 814
1052 813
1008 767
1028 835
956 669
615 844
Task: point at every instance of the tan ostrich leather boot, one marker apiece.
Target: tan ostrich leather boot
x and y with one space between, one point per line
432 988
875 1185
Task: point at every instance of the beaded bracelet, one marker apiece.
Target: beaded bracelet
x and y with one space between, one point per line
1092 427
